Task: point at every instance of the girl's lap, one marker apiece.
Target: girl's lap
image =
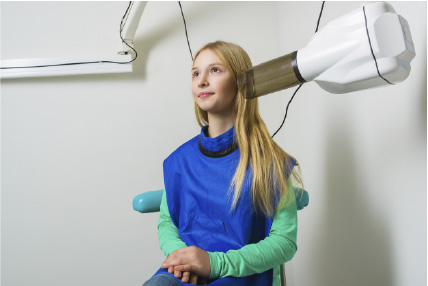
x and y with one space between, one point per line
162 280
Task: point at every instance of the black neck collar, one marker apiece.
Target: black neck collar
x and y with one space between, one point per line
217 154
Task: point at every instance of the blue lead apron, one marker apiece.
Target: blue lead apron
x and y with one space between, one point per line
197 179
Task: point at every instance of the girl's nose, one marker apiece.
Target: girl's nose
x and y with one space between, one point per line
203 82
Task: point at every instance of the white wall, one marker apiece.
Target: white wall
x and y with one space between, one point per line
75 150
363 157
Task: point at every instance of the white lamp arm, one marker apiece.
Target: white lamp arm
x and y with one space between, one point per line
130 25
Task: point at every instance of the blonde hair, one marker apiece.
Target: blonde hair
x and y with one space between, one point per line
269 163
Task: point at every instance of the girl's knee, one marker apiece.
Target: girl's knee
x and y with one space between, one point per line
162 280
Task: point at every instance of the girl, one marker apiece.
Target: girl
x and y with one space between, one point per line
228 215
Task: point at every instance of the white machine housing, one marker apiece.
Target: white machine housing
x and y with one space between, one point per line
339 59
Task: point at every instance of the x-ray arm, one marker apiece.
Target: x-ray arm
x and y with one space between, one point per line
369 47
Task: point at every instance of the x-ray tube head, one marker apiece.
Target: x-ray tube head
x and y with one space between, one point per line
271 76
366 48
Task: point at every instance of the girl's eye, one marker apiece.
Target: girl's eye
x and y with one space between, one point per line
195 74
215 69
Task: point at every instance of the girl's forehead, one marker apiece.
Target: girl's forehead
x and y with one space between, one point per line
207 57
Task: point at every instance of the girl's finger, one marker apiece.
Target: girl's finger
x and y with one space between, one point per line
185 278
170 269
184 268
174 261
177 274
193 279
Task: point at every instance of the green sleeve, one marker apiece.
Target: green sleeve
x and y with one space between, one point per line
169 239
279 247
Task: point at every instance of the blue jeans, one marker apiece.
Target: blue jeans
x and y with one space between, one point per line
162 280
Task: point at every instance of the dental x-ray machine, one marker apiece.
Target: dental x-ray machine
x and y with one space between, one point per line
366 48
369 47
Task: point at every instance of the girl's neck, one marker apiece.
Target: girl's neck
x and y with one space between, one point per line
219 124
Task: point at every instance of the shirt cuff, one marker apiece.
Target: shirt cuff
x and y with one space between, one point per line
214 263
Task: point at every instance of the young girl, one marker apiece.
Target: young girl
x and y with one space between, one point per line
228 215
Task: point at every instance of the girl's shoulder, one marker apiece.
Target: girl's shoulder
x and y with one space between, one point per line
188 147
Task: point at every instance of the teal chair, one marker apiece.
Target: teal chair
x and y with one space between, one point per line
149 202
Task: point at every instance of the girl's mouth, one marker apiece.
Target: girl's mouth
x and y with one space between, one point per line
205 94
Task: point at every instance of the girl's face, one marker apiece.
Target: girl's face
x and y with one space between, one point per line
213 86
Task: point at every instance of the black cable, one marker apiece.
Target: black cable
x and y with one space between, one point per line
286 111
185 28
371 49
82 63
319 17
120 33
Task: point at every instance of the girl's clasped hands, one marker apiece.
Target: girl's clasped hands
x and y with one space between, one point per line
190 264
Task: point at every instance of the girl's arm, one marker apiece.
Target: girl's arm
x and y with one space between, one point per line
279 247
169 239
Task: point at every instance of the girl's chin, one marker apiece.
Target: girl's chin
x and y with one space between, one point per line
214 109
205 107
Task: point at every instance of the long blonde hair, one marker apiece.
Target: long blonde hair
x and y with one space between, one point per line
269 163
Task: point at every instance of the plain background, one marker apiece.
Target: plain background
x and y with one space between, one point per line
76 150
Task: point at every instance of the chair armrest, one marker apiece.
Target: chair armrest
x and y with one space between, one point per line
148 202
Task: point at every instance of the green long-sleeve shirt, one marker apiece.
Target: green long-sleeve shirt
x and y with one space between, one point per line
279 247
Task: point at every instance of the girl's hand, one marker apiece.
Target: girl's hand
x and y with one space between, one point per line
190 278
189 259
185 277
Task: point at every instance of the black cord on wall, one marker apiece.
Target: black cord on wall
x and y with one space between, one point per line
286 111
185 28
95 62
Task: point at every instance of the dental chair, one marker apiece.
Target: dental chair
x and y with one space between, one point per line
149 202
